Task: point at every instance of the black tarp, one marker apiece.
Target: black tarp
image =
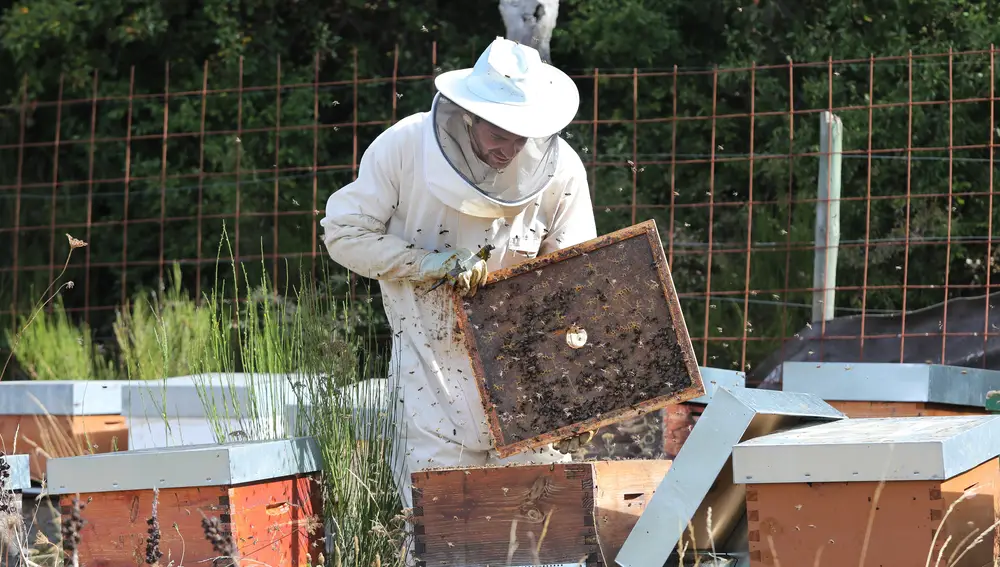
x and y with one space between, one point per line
966 343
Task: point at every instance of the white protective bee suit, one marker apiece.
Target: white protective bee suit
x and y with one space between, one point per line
422 199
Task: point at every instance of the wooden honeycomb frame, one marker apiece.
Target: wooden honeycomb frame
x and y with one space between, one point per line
615 287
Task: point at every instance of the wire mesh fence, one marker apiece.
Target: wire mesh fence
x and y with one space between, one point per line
726 161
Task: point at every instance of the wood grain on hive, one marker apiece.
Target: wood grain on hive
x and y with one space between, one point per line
877 482
267 496
578 339
567 513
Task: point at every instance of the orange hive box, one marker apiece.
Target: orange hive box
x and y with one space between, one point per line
894 485
567 513
881 389
61 418
578 339
266 494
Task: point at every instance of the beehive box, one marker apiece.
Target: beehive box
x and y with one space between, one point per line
60 418
266 494
880 389
182 401
578 339
566 513
887 483
660 434
698 506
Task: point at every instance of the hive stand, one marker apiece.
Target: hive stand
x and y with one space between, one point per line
816 490
266 494
569 513
11 503
182 401
575 340
61 418
700 480
881 389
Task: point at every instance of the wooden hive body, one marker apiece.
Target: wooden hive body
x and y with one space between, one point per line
564 513
853 408
271 511
882 485
60 419
636 356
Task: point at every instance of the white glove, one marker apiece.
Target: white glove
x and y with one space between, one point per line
469 269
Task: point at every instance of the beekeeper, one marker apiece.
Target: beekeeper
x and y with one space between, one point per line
485 165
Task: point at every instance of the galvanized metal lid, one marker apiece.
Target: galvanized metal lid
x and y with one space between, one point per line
715 378
184 466
891 382
701 475
870 449
61 397
186 396
20 474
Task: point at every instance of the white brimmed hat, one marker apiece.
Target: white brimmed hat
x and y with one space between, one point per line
512 88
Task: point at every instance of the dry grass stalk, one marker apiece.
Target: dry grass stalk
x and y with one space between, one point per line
71 526
74 243
222 542
153 554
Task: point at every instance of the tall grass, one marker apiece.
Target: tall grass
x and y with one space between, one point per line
163 333
52 347
307 360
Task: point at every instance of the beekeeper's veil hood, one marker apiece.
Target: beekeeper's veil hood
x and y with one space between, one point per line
497 126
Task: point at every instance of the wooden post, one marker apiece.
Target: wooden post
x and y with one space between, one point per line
831 137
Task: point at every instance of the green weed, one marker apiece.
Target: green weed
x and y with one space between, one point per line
162 334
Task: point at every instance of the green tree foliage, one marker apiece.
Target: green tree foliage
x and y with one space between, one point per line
233 49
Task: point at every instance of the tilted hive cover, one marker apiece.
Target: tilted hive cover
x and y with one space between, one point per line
586 336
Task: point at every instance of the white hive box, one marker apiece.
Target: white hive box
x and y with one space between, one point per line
173 412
